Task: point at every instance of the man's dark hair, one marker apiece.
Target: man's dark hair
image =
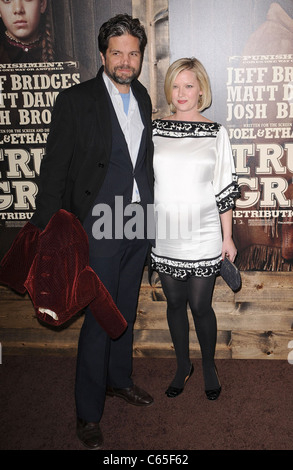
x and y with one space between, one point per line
119 25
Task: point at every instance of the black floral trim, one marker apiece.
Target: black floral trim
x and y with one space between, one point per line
185 129
182 270
226 199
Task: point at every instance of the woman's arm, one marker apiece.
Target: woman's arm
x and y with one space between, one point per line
228 247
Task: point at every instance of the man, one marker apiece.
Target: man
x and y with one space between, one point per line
99 157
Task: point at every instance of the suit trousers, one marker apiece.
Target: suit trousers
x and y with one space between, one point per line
102 361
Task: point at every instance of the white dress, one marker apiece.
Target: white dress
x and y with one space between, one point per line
195 181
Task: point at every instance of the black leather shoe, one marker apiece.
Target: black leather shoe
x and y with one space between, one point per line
89 434
133 395
213 394
173 392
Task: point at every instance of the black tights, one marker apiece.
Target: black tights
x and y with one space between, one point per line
197 292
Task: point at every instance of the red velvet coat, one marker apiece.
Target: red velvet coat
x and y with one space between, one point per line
53 266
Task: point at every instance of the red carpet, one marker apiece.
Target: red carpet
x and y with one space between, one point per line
254 411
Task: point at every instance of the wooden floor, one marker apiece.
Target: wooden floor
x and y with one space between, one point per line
254 323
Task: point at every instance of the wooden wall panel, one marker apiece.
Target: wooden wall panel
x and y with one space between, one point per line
254 323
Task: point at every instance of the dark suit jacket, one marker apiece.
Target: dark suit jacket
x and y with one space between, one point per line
79 149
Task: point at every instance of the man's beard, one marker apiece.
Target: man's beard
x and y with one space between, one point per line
120 79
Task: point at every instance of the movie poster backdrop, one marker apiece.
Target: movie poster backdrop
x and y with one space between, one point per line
31 77
247 49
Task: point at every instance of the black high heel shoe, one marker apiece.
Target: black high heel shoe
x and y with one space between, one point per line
215 392
173 392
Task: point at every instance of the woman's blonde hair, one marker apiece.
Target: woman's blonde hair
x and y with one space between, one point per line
201 74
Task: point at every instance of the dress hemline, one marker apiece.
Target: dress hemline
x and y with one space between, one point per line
182 269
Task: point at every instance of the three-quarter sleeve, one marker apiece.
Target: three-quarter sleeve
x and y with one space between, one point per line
225 179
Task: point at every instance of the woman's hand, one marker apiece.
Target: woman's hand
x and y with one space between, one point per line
229 249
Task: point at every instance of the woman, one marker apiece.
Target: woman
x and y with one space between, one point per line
25 32
195 188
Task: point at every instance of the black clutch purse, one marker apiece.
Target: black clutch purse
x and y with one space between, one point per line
231 274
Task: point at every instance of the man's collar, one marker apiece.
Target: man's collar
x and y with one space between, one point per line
112 89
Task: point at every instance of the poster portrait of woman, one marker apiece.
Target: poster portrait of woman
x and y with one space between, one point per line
25 32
